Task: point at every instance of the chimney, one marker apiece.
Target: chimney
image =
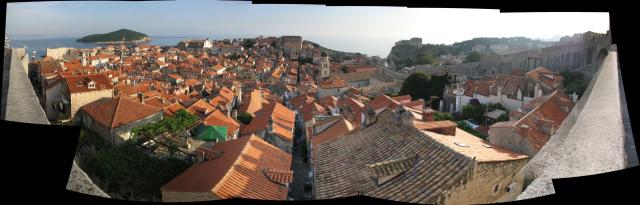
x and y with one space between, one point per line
141 97
234 114
270 125
369 117
403 117
427 115
545 125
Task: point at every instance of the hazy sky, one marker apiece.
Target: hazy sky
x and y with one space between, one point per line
194 17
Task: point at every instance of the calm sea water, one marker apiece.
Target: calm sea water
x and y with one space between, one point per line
369 46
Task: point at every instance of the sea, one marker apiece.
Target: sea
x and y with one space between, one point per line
364 45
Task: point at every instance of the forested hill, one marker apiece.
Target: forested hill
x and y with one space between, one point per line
115 36
404 54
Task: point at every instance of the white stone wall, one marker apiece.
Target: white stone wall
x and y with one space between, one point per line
57 53
80 99
508 138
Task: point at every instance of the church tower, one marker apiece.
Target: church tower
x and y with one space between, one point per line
324 66
84 59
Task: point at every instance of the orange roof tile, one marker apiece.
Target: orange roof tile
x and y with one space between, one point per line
79 83
551 111
154 101
253 102
117 112
200 108
402 98
239 172
545 76
217 118
283 121
336 130
170 110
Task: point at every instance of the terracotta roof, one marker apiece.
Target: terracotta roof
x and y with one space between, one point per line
336 130
341 165
551 110
191 82
299 100
170 110
154 101
481 87
283 121
79 83
217 118
201 108
253 101
546 77
381 102
116 112
476 147
335 82
227 93
416 104
402 98
239 172
510 85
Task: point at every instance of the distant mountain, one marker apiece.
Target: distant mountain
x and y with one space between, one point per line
116 37
406 54
335 55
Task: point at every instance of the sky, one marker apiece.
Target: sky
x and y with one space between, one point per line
201 18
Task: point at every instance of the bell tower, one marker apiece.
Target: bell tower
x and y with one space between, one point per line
324 66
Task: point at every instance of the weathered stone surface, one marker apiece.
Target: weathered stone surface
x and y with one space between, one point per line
592 140
21 103
80 182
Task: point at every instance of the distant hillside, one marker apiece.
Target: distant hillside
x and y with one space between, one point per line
403 54
116 36
335 55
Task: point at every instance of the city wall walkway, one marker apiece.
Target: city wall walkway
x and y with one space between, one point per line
21 103
595 138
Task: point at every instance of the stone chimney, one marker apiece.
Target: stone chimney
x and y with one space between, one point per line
369 117
427 115
234 114
545 125
141 97
270 125
402 116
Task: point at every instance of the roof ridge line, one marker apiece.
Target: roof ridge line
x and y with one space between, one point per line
115 112
535 109
232 167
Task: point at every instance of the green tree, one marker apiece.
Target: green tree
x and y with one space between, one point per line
245 118
344 69
472 57
248 43
426 58
466 127
438 116
126 172
574 82
423 86
503 117
475 112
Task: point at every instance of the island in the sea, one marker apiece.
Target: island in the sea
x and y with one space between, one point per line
119 36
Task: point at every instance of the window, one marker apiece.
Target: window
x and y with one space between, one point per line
511 187
91 85
496 188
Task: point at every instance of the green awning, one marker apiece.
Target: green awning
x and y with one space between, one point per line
211 133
